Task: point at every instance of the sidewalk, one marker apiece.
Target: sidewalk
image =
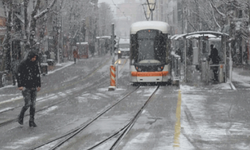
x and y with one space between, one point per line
241 75
194 81
60 66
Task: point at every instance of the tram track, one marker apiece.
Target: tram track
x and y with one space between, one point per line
67 136
132 122
116 136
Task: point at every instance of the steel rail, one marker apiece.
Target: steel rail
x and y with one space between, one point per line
79 129
132 122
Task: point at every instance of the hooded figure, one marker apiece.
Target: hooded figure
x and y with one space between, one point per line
214 56
29 82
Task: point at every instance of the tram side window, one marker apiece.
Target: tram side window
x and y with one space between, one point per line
133 49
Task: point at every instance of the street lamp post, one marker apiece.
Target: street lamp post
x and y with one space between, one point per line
58 42
146 13
151 6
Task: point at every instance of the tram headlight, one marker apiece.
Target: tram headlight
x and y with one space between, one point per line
160 68
138 69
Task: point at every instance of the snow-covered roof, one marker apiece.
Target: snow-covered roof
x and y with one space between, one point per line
82 43
153 25
206 33
199 35
175 55
3 28
209 34
177 36
103 37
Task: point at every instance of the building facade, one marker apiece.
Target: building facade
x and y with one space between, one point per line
2 27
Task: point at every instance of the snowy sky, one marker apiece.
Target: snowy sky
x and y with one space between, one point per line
110 2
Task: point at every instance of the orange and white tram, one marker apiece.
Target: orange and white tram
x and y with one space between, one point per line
150 52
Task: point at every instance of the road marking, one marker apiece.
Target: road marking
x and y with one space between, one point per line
177 123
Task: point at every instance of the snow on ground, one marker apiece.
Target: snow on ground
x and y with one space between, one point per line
191 100
61 66
242 76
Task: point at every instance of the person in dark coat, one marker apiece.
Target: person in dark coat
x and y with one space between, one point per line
214 56
29 82
75 55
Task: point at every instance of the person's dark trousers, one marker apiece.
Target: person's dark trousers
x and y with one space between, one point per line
75 60
14 77
216 73
29 95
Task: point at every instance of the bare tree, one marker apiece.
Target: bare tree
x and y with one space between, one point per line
29 26
35 15
6 48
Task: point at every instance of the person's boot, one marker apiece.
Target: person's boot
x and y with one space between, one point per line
32 117
32 124
20 120
21 115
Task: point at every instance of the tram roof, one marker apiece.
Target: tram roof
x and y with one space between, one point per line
103 37
153 25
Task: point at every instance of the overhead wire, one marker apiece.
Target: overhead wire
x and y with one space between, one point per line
121 12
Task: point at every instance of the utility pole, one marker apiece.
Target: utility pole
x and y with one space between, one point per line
182 17
6 49
151 7
112 42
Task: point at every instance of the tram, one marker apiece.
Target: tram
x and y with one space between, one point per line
150 52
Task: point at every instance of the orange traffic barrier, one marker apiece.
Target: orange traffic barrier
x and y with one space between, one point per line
112 76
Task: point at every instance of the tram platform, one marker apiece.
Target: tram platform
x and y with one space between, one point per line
194 80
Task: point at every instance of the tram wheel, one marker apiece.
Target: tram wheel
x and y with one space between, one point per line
135 84
169 82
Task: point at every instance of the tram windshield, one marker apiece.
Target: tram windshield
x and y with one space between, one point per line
151 47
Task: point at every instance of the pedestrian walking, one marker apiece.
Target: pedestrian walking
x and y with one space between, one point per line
214 56
75 55
29 82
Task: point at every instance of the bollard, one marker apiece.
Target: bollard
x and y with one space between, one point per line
221 73
112 78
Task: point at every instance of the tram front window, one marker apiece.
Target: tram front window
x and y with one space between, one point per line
150 47
146 49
